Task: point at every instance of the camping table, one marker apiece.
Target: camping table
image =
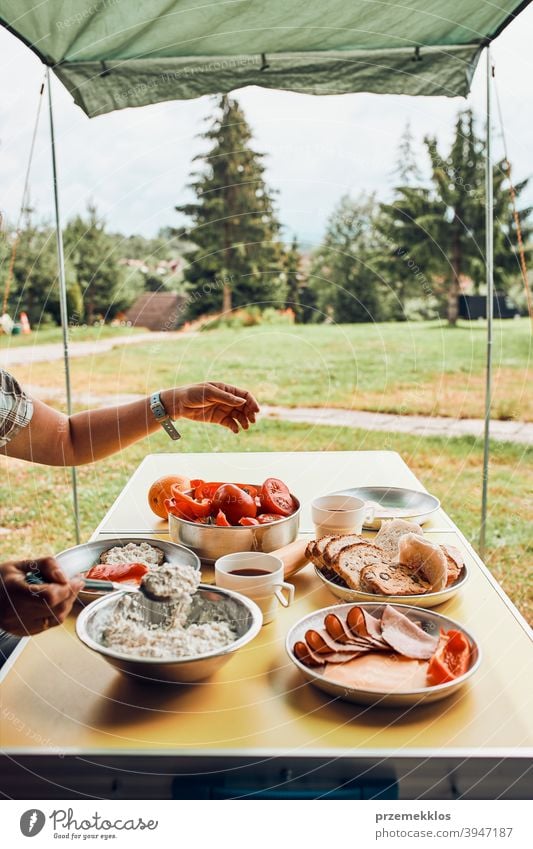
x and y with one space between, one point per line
71 724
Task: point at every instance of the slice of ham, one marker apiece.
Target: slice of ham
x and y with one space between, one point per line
381 673
306 655
341 657
405 637
310 658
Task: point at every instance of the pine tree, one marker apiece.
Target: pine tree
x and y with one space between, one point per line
407 170
345 283
295 279
238 258
440 230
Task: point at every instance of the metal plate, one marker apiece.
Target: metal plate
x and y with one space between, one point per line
427 619
210 542
242 611
396 503
342 591
80 558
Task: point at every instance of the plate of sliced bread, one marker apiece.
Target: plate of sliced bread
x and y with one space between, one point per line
399 565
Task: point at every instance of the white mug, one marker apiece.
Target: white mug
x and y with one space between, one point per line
340 514
265 588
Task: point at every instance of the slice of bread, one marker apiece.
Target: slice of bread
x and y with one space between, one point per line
337 544
390 532
350 561
316 552
425 558
454 561
392 579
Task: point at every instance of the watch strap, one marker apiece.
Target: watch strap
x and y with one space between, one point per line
160 414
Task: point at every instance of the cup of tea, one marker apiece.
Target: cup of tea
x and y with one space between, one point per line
340 514
257 575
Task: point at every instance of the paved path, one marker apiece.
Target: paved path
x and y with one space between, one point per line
519 432
54 351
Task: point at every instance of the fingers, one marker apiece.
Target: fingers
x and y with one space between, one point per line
23 621
218 394
51 570
49 595
250 408
251 403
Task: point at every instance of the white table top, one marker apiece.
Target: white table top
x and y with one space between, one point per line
66 698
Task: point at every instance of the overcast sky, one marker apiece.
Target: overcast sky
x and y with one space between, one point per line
135 163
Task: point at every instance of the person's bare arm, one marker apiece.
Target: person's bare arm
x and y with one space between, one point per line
54 439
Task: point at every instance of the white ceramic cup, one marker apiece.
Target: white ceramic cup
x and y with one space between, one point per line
340 514
265 589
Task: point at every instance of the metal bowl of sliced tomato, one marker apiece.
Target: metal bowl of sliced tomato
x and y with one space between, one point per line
214 518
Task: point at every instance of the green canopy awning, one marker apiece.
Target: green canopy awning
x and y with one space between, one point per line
112 54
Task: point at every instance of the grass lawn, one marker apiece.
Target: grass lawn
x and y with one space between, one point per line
36 508
76 334
419 367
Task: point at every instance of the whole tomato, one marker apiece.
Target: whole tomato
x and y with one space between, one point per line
234 502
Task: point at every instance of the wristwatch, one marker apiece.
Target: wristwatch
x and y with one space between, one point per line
160 414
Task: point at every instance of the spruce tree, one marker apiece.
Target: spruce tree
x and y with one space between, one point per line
407 169
238 258
295 279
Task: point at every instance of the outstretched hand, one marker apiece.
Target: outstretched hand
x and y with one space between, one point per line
216 403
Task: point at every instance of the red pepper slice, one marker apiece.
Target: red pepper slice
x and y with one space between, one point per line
451 659
248 520
221 520
130 572
206 489
172 507
267 518
189 505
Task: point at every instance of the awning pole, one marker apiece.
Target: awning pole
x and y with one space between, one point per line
489 267
62 296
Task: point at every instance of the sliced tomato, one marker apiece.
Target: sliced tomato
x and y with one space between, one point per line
234 502
130 572
276 498
248 520
266 518
251 490
451 660
221 520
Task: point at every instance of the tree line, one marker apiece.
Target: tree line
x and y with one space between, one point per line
408 257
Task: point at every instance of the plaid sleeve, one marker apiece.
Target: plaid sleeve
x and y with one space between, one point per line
16 408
